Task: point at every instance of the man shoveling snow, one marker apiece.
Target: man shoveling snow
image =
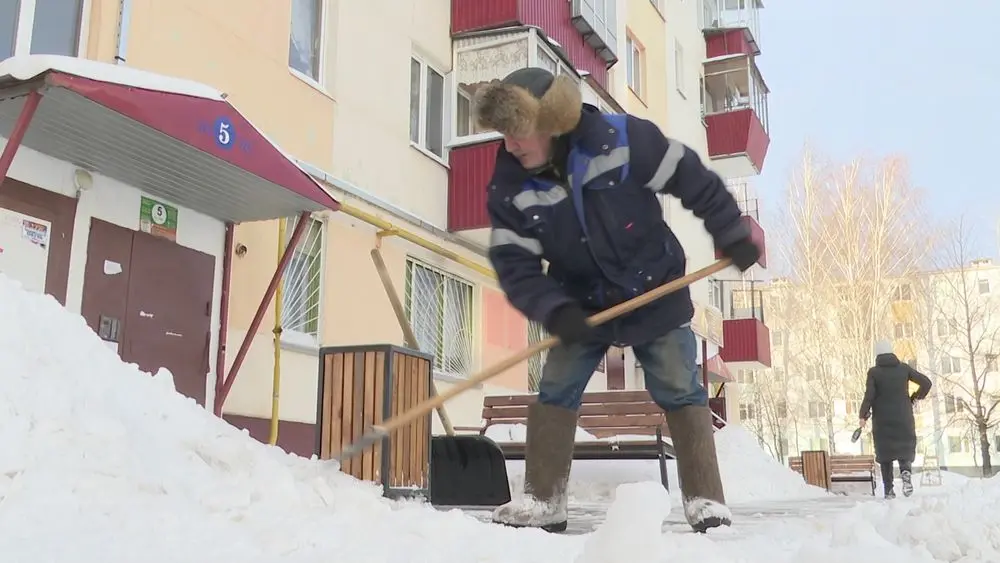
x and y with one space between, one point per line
579 189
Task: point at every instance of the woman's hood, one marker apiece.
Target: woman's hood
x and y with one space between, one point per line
887 360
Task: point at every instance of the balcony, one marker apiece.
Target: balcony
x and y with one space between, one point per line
586 30
736 115
747 338
721 16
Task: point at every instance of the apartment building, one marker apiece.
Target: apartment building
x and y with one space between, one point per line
390 136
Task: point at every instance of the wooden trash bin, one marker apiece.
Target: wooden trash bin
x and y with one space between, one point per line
816 468
363 385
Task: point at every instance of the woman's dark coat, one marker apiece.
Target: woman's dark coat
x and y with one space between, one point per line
889 403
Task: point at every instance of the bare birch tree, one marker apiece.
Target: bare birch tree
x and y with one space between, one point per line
850 231
964 307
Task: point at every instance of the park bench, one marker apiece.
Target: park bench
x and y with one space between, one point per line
604 414
822 469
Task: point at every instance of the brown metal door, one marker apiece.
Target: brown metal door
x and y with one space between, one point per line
106 279
169 311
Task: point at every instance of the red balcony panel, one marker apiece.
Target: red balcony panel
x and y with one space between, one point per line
551 16
757 236
737 133
730 42
471 167
473 15
747 341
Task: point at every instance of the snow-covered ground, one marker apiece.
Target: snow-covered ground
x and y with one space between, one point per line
101 463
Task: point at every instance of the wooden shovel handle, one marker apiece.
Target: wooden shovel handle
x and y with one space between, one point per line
423 408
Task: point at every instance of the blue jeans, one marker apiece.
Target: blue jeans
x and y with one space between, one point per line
670 364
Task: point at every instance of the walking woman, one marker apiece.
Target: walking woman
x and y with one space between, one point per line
889 402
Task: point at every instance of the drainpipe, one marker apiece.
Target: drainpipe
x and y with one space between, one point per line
17 133
394 230
124 25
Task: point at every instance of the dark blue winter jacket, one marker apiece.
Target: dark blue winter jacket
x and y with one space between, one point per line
602 231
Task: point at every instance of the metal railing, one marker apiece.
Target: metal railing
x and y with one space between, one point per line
741 300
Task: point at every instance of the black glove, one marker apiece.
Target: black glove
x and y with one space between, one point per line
569 323
744 253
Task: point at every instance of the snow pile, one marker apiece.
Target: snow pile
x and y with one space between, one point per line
100 461
103 463
749 474
631 529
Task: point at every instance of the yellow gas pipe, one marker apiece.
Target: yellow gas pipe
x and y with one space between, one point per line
276 376
388 229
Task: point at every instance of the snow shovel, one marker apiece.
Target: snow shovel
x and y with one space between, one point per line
454 459
487 485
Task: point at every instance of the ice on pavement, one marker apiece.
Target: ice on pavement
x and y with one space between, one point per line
103 463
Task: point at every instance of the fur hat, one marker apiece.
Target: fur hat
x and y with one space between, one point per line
530 100
883 347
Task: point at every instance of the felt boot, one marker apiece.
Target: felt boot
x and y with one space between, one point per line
548 457
692 432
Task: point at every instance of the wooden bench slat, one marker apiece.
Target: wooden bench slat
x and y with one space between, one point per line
622 421
521 411
638 449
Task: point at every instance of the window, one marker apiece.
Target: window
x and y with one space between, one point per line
679 67
748 411
903 292
953 404
991 362
950 364
818 409
305 38
812 373
946 327
439 308
958 445
746 376
903 330
426 107
781 409
984 287
715 293
634 69
852 407
301 287
40 27
779 373
777 338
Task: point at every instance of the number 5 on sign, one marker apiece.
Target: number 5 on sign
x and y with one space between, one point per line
224 133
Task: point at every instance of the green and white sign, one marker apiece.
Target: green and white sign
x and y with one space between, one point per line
158 218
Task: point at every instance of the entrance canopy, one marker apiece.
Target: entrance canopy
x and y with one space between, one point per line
718 371
173 138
